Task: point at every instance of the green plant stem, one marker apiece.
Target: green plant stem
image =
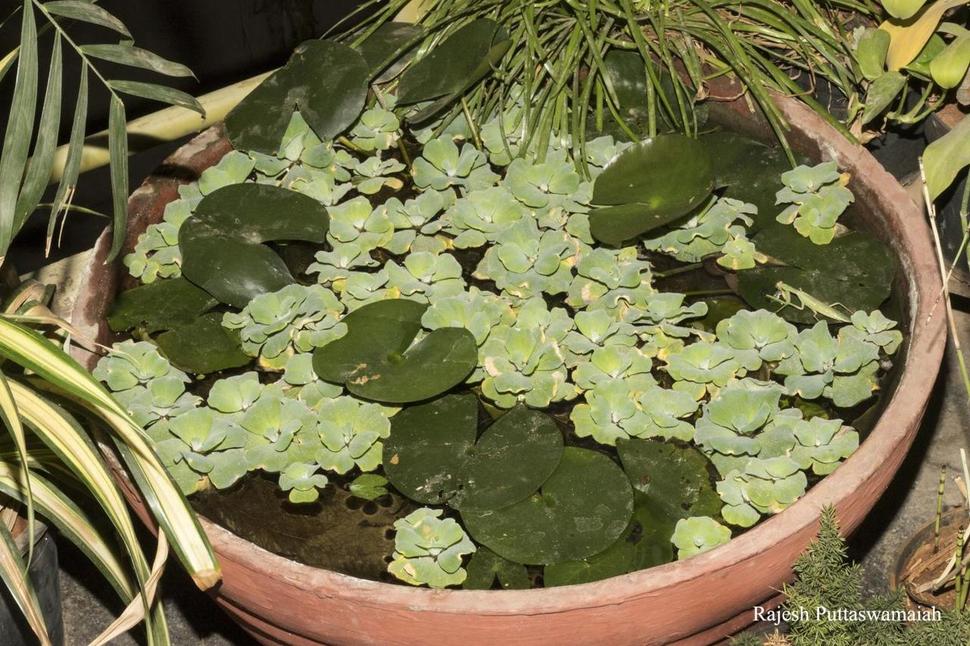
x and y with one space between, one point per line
678 270
958 583
471 124
707 293
939 510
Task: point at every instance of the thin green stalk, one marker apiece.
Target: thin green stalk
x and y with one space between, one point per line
709 293
471 124
939 510
678 270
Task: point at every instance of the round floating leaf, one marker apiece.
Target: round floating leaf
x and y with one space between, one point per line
581 510
750 171
645 543
486 566
675 479
432 457
614 225
453 66
221 242
511 460
162 305
670 174
324 80
386 42
855 270
376 359
426 451
626 72
203 346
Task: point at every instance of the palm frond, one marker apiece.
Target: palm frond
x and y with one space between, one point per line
24 179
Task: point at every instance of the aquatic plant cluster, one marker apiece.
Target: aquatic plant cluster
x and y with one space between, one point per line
362 321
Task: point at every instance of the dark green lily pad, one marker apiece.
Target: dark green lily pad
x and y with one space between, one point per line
670 174
454 65
203 346
855 270
425 453
614 225
221 242
386 42
628 76
582 508
162 305
324 80
675 479
485 566
644 544
376 359
649 185
432 457
750 171
511 460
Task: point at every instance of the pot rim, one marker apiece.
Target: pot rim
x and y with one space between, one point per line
903 411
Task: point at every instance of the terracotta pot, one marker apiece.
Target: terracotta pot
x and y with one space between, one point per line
697 601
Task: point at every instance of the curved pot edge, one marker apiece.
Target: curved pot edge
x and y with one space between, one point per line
878 453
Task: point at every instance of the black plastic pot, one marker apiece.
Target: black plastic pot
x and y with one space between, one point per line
43 571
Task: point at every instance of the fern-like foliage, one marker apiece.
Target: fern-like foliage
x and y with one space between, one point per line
29 151
826 579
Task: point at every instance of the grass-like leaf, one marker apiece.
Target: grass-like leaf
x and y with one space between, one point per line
42 161
13 572
37 354
72 165
20 128
118 152
127 54
158 93
86 11
11 421
78 526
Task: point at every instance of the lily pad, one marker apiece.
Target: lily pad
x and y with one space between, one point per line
325 80
203 346
386 42
750 171
432 457
855 270
452 66
425 453
669 174
486 566
628 76
649 185
582 508
161 305
221 243
645 543
377 359
676 479
615 225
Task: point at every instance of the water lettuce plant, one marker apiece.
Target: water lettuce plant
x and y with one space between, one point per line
816 196
428 549
506 332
